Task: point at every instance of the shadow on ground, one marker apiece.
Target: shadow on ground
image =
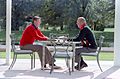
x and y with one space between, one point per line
45 74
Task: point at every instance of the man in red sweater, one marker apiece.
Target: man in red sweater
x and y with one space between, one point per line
31 34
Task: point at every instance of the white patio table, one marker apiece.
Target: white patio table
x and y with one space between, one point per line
72 44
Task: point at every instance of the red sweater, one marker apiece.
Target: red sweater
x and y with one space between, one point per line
31 34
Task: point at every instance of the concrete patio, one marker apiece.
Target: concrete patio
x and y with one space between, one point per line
21 70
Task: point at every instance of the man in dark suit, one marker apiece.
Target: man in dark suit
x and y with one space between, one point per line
88 41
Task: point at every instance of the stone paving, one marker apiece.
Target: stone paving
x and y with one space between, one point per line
21 70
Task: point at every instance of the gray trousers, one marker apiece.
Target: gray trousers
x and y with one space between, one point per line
79 50
39 50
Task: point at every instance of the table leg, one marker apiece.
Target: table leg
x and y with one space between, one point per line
73 58
43 58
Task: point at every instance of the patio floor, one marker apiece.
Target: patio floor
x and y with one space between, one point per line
21 70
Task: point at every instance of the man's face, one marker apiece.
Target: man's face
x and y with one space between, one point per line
79 22
37 22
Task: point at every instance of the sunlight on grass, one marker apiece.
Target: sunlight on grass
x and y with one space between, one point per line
103 56
107 56
109 29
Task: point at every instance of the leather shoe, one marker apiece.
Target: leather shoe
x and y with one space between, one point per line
81 67
84 65
54 66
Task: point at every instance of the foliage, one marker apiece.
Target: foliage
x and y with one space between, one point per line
53 12
23 8
102 14
98 13
109 37
2 35
108 42
2 13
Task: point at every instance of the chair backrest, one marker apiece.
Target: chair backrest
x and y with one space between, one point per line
12 36
100 43
61 44
60 38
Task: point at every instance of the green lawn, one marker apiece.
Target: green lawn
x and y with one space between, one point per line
105 56
108 29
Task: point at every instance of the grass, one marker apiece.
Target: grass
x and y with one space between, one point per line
104 56
109 29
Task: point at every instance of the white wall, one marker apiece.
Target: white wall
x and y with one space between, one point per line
8 29
117 34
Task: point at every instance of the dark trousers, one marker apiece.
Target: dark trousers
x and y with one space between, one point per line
80 50
39 50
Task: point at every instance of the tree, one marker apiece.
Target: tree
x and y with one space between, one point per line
62 12
3 14
22 8
102 14
59 12
75 9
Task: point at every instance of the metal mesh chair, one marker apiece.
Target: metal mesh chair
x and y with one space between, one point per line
61 49
17 51
95 54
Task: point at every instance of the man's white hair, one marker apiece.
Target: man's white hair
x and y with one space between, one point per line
82 18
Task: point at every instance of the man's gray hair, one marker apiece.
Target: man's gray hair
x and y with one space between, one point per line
82 18
36 17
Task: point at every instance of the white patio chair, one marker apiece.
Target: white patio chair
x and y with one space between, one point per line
95 54
61 49
17 51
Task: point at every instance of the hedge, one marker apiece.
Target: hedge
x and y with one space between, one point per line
109 36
